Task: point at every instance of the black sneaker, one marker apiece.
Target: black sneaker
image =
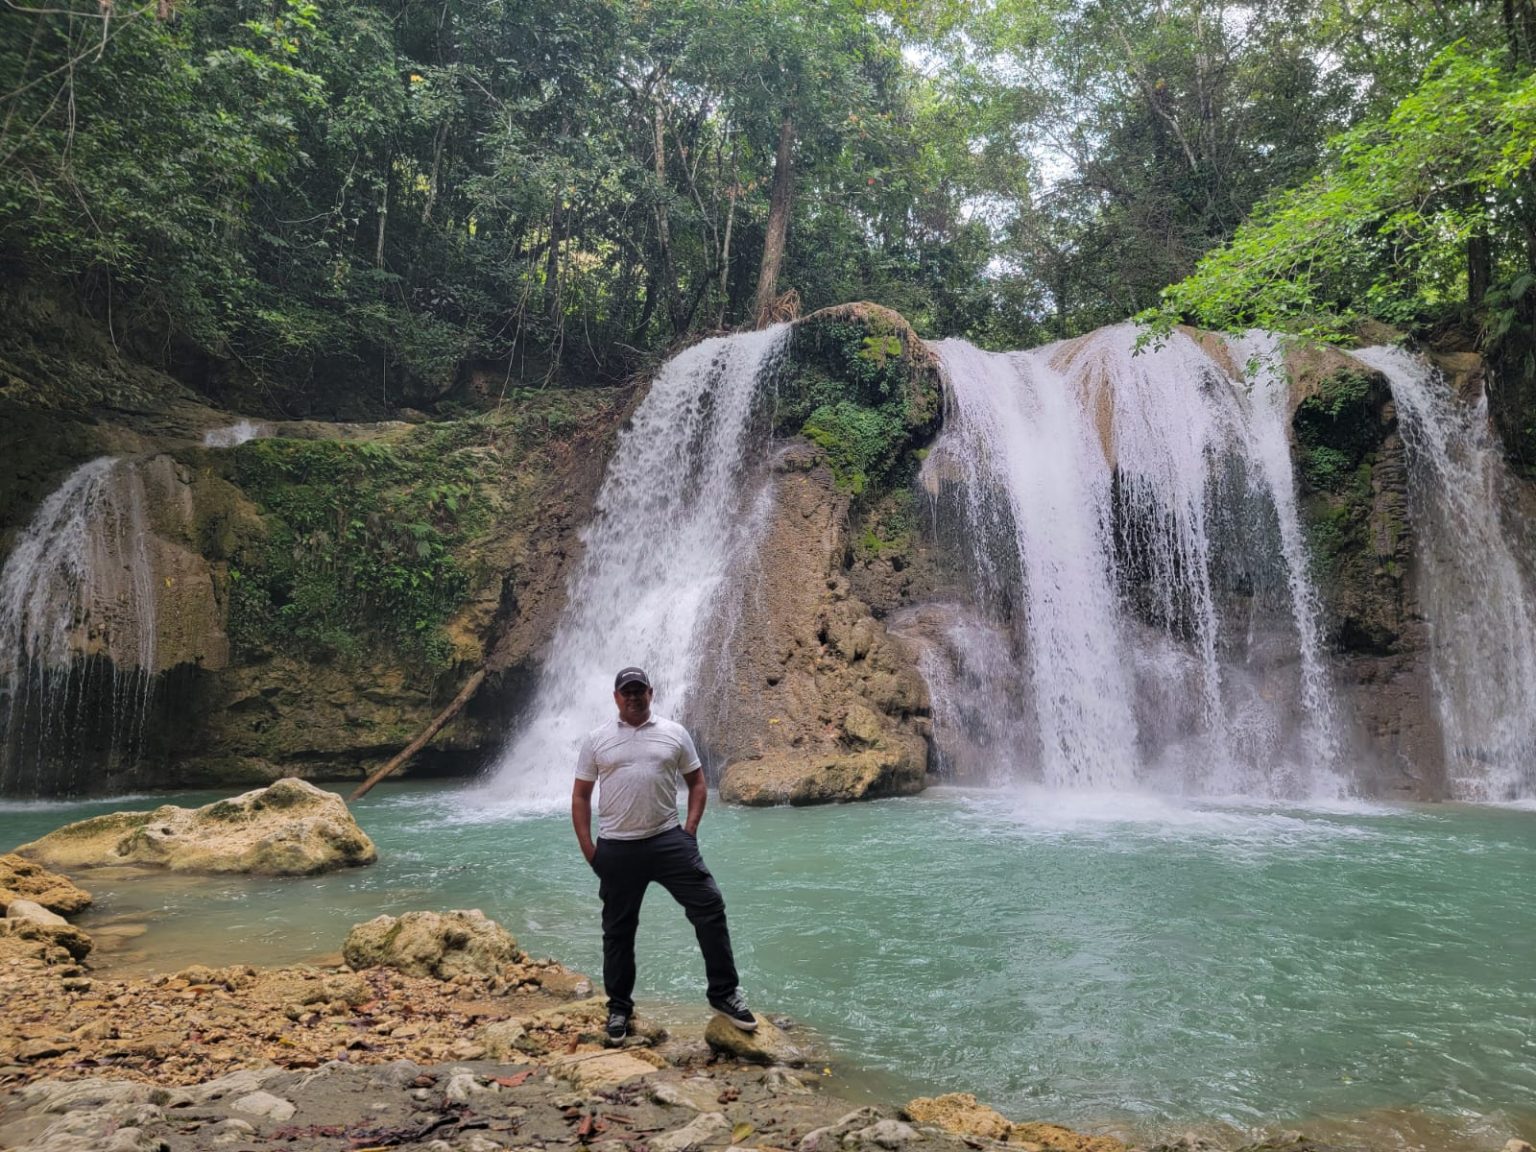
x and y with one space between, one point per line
734 1008
617 1026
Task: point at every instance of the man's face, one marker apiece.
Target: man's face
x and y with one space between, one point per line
634 701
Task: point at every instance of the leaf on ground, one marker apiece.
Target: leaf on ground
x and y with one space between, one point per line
741 1132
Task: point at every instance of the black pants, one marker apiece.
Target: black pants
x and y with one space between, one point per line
626 869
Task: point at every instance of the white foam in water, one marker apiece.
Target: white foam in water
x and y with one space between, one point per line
670 523
1481 611
236 434
1051 453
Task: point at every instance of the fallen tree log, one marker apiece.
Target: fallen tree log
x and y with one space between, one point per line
430 731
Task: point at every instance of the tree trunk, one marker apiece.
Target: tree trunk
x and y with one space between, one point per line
663 226
1479 267
378 252
725 244
778 224
430 731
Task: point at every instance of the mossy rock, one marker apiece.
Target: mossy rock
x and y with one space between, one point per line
1338 426
859 383
1354 507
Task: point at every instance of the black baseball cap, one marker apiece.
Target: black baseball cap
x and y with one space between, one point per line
630 676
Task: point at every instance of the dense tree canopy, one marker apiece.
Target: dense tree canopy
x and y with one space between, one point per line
348 203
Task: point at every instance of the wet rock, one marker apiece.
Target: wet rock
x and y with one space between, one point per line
439 944
797 779
51 943
22 879
958 1112
768 1045
30 910
265 1105
704 1129
288 829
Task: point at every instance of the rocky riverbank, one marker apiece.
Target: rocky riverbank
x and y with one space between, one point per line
431 1031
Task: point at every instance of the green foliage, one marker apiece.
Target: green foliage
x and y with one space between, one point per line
1384 230
1337 427
862 443
361 550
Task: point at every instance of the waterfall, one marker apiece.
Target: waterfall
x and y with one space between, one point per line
77 633
1270 450
233 435
1473 592
672 522
1092 482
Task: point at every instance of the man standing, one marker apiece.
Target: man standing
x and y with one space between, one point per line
638 758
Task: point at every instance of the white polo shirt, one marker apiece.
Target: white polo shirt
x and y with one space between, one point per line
638 771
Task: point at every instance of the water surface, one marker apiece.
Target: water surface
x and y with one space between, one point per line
1119 963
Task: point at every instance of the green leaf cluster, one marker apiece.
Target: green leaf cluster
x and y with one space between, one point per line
1384 230
360 550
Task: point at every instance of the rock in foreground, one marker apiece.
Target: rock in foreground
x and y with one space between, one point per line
21 879
768 1045
439 944
288 829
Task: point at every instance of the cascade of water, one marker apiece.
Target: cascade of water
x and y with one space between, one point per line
236 434
1268 423
1102 467
670 525
1480 607
1032 469
77 591
974 686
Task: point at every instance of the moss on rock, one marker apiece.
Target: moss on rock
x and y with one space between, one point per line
1354 507
860 384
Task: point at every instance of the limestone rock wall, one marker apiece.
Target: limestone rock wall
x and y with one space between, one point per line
816 701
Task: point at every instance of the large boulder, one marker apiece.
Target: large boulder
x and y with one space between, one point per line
288 829
799 779
438 944
22 879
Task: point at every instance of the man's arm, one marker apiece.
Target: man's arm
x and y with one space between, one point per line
581 815
698 792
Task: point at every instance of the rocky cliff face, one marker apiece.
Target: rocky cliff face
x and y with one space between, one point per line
319 592
815 701
1353 475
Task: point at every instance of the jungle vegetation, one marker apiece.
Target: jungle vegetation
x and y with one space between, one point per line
342 203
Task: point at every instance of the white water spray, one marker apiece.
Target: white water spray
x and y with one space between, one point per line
1269 416
671 522
1479 605
236 434
77 588
1086 474
1032 471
